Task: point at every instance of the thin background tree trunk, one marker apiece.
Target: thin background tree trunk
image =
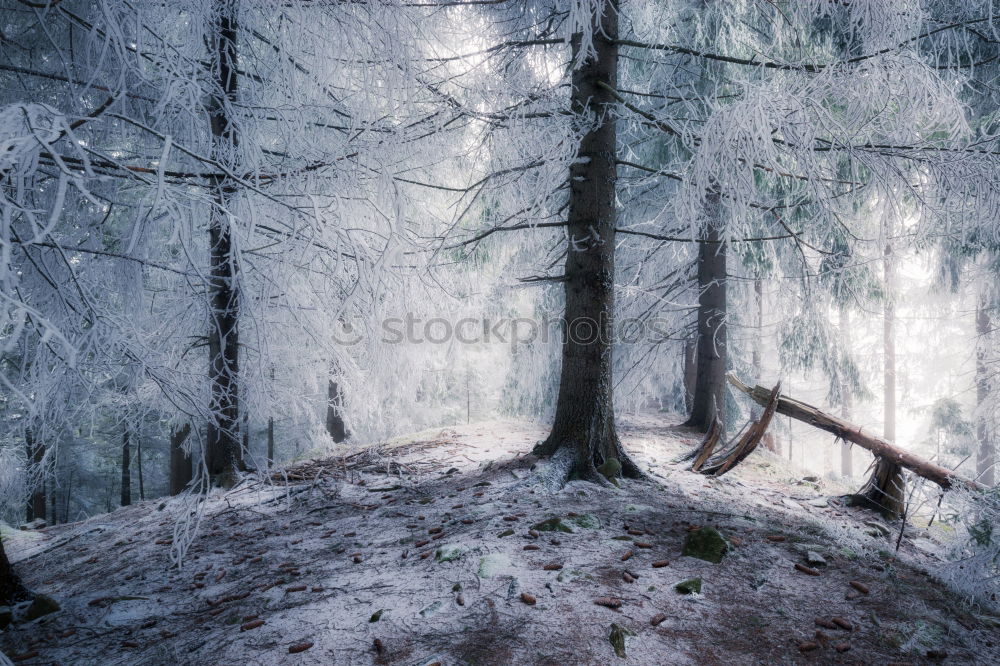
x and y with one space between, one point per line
846 397
335 412
126 498
986 454
36 457
180 463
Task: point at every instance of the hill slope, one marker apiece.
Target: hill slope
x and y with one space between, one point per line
419 552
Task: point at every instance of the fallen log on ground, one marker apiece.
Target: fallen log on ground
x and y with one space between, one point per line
850 432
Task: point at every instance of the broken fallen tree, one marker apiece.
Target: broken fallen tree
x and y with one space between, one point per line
850 432
736 453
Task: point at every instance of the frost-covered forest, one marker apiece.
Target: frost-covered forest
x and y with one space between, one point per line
246 244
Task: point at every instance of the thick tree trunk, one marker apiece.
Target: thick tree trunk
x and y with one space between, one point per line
12 590
335 412
36 458
180 463
710 385
986 454
223 457
583 433
846 397
851 432
126 498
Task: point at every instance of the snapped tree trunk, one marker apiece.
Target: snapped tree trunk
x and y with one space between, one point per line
710 383
36 475
335 412
223 455
180 463
986 453
126 498
851 432
583 432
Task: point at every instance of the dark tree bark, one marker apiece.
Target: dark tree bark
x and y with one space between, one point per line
180 463
270 442
710 384
583 433
36 457
335 412
138 467
12 590
126 498
986 454
223 455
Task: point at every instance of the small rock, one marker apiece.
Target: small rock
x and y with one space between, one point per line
618 637
705 544
791 504
690 586
818 502
449 552
492 565
877 529
431 609
815 559
551 525
611 470
40 606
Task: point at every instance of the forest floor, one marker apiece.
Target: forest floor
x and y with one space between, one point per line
418 552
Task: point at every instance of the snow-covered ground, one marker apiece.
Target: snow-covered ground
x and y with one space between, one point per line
418 552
